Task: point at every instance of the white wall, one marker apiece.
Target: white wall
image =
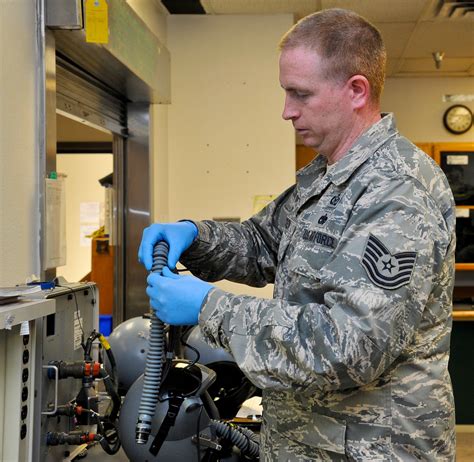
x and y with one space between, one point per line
159 163
227 140
82 186
19 154
153 15
419 108
155 18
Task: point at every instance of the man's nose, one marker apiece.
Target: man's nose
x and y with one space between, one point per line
290 112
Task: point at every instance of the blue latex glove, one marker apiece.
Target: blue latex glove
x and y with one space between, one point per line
179 237
177 300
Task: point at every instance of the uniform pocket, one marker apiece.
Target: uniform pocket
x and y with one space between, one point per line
321 432
309 255
305 271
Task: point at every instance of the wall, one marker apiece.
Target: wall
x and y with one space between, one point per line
154 15
82 186
159 163
227 140
418 106
68 129
19 153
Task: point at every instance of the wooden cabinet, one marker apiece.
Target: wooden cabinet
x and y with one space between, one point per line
426 147
102 273
457 161
304 156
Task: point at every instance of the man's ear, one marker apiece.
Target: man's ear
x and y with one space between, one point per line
359 91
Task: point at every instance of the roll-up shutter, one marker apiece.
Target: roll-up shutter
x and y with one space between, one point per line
87 98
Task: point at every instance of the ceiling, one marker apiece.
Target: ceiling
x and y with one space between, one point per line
69 130
412 29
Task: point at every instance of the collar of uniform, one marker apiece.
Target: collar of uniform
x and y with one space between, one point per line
374 137
312 180
311 175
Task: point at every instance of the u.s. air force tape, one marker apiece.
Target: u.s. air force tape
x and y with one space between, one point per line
320 238
387 270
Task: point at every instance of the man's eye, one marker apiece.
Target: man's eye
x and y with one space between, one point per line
301 95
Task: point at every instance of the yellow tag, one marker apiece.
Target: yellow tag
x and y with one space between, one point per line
97 21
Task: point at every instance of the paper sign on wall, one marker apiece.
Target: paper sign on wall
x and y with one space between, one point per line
261 201
89 212
55 223
109 214
89 217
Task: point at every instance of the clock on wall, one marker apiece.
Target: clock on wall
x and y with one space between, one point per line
457 119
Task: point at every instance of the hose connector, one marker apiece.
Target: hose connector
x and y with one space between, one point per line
143 429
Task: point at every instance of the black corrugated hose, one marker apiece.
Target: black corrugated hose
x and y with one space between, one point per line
154 360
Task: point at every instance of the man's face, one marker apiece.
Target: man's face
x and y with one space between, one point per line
318 108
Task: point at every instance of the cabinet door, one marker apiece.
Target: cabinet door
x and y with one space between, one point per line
304 155
426 147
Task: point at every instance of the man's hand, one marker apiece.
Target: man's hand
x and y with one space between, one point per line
179 237
176 299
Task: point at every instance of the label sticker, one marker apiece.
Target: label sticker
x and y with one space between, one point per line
25 328
78 322
457 160
462 212
462 98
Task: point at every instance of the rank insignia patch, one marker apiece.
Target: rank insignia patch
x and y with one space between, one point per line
386 270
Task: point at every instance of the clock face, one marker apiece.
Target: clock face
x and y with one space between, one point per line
458 119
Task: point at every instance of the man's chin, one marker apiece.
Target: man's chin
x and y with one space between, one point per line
309 142
306 138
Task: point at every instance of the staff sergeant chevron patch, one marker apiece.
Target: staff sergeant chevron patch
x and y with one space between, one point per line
386 270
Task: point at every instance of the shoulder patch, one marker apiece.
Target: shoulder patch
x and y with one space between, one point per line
387 270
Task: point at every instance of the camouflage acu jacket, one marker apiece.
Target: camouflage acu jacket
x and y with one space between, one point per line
352 352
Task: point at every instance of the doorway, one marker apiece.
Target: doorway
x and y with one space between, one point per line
85 163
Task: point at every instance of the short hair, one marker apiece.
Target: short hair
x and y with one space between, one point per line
347 42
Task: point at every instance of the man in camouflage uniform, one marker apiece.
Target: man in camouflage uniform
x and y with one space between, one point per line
352 352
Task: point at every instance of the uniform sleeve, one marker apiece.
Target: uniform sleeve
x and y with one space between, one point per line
376 284
240 252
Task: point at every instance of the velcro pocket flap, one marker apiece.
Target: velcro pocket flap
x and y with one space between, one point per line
320 431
